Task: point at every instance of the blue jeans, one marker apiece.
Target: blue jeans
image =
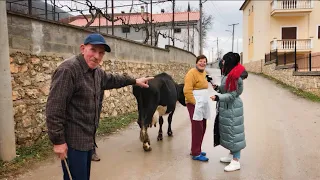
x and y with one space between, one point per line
79 163
236 155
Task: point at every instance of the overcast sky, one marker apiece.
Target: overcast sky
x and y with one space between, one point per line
224 13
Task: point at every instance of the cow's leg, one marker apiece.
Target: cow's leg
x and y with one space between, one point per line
160 129
169 123
144 137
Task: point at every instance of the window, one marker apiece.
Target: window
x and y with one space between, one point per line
177 30
318 32
125 29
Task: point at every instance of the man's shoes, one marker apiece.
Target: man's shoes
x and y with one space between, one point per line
95 157
227 159
202 153
200 158
233 166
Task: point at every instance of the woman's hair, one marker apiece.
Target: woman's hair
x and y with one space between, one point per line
231 60
237 57
201 57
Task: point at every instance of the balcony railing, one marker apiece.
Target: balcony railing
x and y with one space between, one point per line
289 44
291 4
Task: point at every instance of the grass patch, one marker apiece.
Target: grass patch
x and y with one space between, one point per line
41 150
112 124
25 157
299 92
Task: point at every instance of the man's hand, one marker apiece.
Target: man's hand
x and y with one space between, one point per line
61 150
213 98
143 82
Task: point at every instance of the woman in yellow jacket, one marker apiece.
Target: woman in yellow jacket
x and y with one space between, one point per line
197 99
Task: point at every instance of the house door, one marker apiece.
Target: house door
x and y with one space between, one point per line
289 33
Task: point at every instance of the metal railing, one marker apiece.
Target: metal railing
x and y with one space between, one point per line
308 62
270 56
302 62
291 4
289 44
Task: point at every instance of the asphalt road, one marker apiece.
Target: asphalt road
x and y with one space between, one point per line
282 133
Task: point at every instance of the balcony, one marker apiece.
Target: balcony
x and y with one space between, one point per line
291 7
287 45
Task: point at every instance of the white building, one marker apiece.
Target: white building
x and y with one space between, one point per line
130 24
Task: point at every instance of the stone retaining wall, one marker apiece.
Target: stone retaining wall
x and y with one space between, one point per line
37 47
304 82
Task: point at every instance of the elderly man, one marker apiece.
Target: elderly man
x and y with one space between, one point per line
72 110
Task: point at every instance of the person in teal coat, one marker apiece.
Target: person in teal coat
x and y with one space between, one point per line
229 122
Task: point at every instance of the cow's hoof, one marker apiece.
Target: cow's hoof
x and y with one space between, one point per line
170 133
147 147
160 137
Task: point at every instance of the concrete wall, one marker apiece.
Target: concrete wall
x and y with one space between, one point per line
261 29
245 34
37 47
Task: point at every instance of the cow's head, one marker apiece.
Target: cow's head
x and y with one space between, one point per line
181 97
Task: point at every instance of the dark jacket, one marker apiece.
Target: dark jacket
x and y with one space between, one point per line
74 102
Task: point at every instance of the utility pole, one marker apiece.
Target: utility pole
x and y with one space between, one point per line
233 33
112 11
212 55
54 10
151 22
173 7
7 135
106 16
200 33
188 24
217 47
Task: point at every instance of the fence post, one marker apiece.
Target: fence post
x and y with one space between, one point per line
276 57
310 63
285 58
270 55
295 55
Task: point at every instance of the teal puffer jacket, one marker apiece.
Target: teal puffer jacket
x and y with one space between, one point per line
231 125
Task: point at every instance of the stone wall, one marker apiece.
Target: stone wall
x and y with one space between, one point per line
37 47
254 66
304 82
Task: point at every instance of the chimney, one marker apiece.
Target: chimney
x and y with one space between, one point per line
162 10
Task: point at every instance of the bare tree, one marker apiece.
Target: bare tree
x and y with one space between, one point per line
95 12
206 22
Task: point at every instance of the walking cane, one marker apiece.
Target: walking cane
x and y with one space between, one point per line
67 167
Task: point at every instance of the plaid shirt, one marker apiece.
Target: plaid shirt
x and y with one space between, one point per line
72 109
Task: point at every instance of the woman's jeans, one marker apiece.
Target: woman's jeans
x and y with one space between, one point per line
236 155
